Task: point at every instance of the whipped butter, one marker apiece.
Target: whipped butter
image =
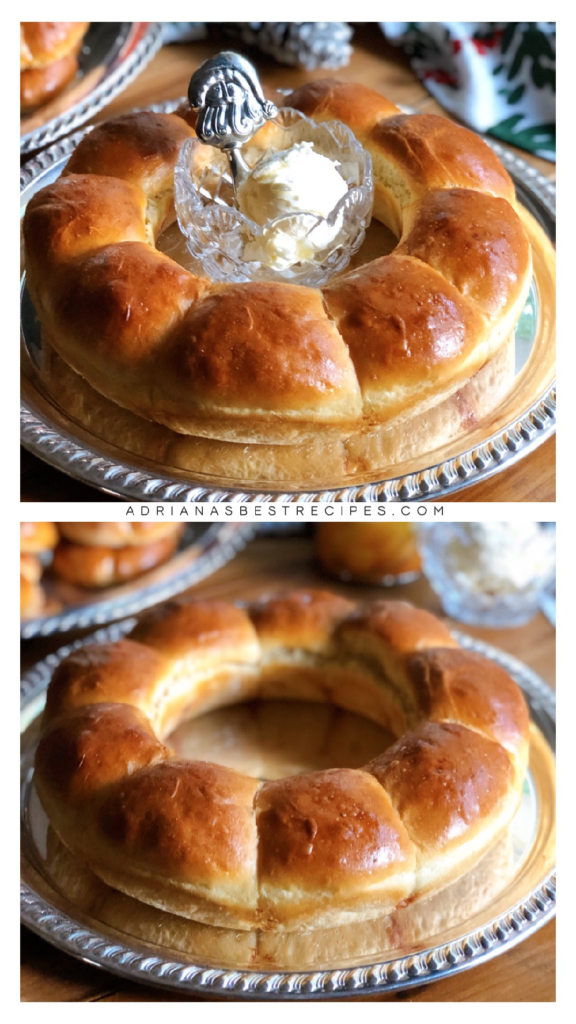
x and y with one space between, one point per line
499 558
287 183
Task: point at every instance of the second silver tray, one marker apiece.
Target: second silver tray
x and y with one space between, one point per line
202 550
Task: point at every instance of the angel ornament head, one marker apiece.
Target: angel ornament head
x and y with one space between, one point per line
231 104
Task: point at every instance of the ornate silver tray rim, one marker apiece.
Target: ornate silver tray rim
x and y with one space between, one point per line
140 964
113 83
126 480
214 548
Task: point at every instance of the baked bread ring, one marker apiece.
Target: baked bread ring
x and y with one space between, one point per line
117 535
37 537
274 362
207 843
106 566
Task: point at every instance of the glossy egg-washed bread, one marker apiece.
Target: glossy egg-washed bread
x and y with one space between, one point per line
91 554
102 566
117 535
274 362
48 58
43 42
207 843
104 554
38 85
37 537
31 593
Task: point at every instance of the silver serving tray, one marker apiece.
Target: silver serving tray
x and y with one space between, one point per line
122 50
202 550
52 439
47 913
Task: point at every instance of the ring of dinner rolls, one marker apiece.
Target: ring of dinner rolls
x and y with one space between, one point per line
274 362
102 566
314 850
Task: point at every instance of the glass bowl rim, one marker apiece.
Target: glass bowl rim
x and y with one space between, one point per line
365 189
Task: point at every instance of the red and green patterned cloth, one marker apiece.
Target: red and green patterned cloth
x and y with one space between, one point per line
499 78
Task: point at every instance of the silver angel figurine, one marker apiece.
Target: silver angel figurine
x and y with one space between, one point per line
230 101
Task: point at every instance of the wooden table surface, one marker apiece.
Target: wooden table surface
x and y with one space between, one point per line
385 69
526 973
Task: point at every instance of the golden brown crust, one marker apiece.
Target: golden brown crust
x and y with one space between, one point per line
432 152
191 821
30 567
396 627
43 42
104 567
139 148
444 781
475 240
75 216
209 844
143 289
39 85
90 747
262 349
394 308
124 672
256 363
117 535
332 832
200 628
303 619
355 105
367 551
32 597
462 686
37 537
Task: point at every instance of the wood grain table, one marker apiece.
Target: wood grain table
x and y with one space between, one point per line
384 68
525 973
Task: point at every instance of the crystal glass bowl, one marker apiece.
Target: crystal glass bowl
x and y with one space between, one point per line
496 584
217 233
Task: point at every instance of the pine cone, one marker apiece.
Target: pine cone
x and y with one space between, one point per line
306 44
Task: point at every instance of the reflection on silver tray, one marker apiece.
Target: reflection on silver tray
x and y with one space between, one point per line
202 550
46 437
121 50
514 914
